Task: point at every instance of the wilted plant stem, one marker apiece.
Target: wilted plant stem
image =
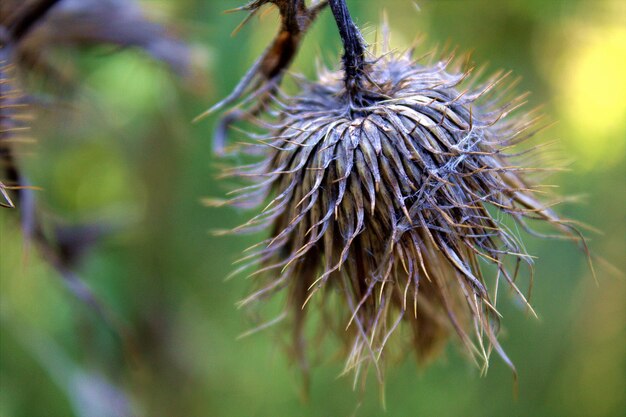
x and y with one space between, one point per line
354 51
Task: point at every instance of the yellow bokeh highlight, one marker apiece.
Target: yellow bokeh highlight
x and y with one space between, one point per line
592 93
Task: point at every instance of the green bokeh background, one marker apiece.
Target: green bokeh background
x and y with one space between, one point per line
129 156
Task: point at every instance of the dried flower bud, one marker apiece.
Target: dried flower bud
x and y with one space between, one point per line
395 202
390 188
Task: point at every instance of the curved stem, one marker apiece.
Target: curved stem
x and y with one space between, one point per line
354 51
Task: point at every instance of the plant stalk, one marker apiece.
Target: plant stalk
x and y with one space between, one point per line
354 50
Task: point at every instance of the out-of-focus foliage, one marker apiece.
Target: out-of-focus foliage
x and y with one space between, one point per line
129 156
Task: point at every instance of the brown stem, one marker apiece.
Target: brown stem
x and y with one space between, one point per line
354 51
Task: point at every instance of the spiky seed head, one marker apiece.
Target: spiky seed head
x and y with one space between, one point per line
392 199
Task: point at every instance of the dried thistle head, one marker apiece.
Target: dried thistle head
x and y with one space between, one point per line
386 185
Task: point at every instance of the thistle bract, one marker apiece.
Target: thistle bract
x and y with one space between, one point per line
392 197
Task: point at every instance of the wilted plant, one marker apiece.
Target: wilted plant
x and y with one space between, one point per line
29 31
386 186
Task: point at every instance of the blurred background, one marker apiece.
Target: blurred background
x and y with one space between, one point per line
124 153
